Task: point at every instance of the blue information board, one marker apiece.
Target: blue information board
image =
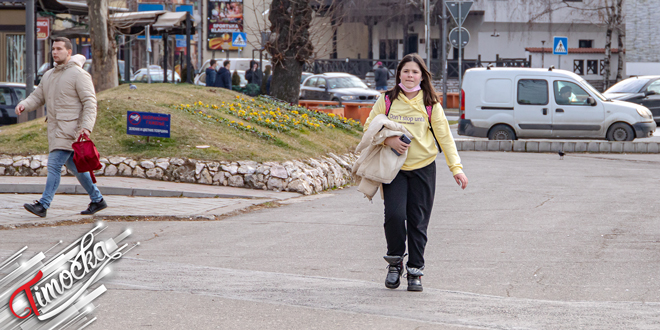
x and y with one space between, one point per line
148 124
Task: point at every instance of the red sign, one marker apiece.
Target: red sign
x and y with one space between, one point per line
43 28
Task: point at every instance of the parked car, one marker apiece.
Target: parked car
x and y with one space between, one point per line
201 79
304 76
338 87
644 90
10 95
156 73
511 103
87 66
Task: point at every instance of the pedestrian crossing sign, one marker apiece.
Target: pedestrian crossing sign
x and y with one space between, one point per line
238 39
560 46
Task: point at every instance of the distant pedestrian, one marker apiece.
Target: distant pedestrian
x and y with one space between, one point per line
211 73
268 84
68 93
408 198
381 75
223 78
254 74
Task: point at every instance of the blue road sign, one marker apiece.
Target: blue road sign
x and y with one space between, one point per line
238 39
560 46
148 124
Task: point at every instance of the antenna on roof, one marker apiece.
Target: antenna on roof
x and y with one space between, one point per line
552 67
490 66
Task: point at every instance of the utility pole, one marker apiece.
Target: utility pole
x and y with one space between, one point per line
29 46
460 59
427 33
444 55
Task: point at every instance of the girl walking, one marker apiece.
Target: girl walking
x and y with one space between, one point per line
409 197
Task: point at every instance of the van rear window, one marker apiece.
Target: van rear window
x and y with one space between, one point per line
533 91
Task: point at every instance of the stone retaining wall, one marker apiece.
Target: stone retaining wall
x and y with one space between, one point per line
555 146
308 176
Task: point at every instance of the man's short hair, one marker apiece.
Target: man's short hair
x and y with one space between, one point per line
225 63
566 89
213 62
66 41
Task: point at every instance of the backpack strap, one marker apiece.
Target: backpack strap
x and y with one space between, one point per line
429 112
388 104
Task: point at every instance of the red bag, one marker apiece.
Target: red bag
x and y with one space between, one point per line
85 156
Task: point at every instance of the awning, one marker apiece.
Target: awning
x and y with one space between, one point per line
70 7
160 21
170 20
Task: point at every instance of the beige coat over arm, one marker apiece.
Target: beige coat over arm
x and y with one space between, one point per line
68 93
377 163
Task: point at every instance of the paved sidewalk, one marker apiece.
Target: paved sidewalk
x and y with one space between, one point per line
127 197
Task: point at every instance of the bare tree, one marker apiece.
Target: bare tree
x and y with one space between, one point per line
104 48
610 14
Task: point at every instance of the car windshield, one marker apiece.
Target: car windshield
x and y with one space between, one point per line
346 82
593 90
631 85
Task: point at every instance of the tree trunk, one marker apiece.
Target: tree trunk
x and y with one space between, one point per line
290 71
608 57
621 31
290 46
104 48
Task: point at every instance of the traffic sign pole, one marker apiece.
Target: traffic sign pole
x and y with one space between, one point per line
460 60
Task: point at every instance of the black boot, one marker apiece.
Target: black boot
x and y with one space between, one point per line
394 271
95 207
414 276
36 209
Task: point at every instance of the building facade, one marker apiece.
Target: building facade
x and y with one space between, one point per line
642 40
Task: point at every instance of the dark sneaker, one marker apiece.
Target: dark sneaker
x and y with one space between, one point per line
95 207
36 209
394 271
414 276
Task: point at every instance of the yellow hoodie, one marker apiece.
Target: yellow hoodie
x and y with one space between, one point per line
412 114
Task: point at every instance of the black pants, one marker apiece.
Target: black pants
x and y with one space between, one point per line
408 204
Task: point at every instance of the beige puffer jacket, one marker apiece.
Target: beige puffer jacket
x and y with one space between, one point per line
68 92
377 163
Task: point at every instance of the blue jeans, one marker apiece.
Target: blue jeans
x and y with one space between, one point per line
56 159
381 88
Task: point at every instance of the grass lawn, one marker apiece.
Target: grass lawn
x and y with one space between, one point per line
238 129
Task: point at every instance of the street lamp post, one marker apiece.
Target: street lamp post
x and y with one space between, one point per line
542 53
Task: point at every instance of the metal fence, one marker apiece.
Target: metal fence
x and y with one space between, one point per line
360 67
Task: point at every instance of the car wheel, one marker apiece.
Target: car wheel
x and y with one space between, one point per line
334 99
501 132
620 132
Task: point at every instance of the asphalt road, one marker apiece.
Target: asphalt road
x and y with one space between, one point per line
534 242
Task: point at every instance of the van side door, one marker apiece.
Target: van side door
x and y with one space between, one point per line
573 116
531 111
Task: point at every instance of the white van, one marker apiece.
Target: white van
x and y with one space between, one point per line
512 103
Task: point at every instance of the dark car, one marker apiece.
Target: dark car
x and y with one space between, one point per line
644 90
10 95
337 87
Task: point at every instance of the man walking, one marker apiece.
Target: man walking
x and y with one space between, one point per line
68 92
223 78
211 73
381 75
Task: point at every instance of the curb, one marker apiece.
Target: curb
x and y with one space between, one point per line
555 146
135 192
